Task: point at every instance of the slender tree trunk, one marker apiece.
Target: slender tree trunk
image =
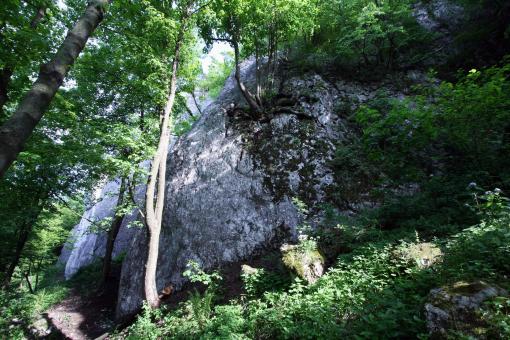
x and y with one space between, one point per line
39 15
196 103
27 278
250 99
24 234
113 232
38 269
15 132
258 95
5 79
20 245
26 274
269 56
154 210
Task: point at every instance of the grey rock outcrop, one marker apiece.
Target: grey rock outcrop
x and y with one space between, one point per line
444 19
231 180
87 242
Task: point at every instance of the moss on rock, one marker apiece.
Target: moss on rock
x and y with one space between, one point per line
308 264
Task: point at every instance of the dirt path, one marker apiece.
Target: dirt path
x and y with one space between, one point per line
80 318
85 315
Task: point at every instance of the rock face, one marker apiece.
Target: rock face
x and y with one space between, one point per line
231 180
454 308
230 183
86 243
444 18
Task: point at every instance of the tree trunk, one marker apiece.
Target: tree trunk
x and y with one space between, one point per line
37 275
154 215
15 132
250 99
26 274
5 79
6 73
196 103
258 95
39 15
113 232
22 240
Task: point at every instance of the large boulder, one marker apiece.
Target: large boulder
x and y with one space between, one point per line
231 181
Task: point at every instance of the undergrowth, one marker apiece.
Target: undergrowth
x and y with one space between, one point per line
369 292
19 307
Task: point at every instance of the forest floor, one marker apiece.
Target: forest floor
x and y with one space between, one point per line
91 315
85 316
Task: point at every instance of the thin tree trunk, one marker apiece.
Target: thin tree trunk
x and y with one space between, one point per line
27 278
37 275
5 79
24 234
250 99
113 232
196 103
269 56
154 214
26 274
258 95
15 132
39 15
20 245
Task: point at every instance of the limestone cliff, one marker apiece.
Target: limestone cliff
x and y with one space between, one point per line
231 180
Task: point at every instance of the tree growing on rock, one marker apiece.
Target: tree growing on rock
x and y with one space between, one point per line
256 28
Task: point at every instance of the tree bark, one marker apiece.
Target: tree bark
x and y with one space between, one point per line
15 132
26 274
154 210
258 95
39 15
113 232
250 99
22 240
196 103
5 79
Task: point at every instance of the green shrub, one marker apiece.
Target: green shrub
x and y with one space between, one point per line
416 156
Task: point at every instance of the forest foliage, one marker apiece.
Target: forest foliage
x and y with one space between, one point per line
449 138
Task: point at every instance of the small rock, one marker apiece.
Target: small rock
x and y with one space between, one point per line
40 328
248 270
307 264
423 254
16 321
